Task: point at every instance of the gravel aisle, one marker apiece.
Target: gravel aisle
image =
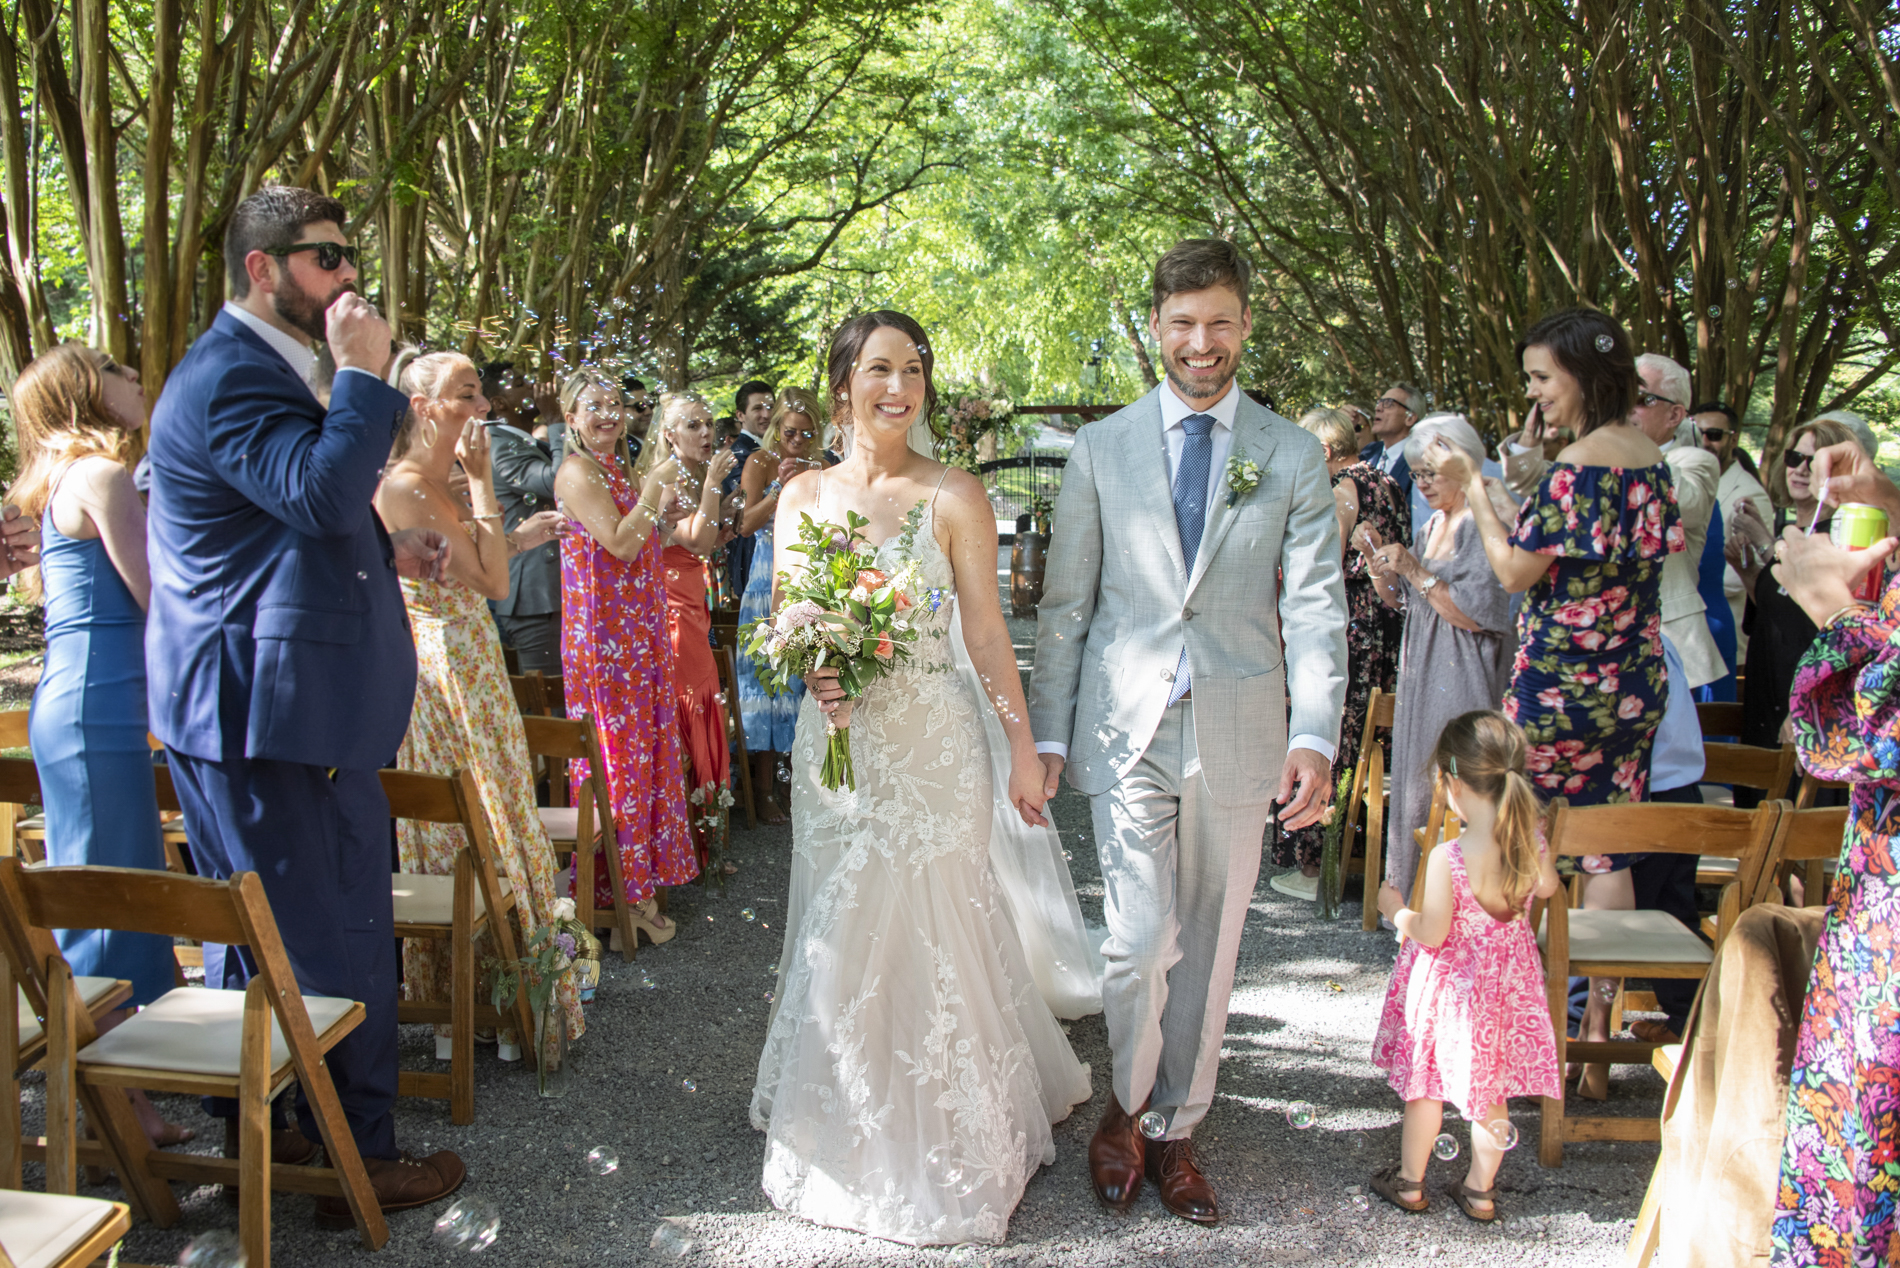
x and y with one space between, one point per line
1305 1007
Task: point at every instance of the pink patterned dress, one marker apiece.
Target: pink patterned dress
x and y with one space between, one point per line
617 659
1466 1021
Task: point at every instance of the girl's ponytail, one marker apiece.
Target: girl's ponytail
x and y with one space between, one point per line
1486 751
1516 835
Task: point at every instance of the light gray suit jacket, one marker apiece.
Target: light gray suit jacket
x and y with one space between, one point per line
1117 604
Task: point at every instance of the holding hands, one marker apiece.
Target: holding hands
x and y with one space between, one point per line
20 534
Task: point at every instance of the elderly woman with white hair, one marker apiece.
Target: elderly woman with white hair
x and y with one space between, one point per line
1364 497
1456 654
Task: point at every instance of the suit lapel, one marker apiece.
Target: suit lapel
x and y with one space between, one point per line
1254 439
1148 450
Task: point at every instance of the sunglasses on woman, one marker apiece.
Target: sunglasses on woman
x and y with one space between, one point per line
1795 460
330 255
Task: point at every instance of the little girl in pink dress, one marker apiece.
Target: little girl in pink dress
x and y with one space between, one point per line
1466 1019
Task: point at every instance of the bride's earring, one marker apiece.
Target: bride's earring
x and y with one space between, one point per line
428 432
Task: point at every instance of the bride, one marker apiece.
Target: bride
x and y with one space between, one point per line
911 1069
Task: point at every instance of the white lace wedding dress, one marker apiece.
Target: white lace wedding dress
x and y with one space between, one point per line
911 1070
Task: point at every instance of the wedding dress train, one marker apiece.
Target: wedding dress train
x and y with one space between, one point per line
912 1069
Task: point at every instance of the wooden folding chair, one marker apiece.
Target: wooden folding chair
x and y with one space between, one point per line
1624 944
1647 1233
1722 717
588 817
446 908
248 1045
1371 790
1807 839
531 692
1814 871
53 1230
1770 770
723 656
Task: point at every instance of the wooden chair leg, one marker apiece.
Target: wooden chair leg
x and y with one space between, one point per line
62 1098
1375 840
254 1156
462 998
11 1130
1647 1235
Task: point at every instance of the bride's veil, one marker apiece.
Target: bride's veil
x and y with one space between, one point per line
1064 952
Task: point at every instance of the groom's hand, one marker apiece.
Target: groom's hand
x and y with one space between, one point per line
1305 788
1052 766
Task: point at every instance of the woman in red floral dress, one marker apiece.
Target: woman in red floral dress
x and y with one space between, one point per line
1588 684
616 654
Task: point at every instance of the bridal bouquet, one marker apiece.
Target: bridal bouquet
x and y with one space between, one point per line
844 612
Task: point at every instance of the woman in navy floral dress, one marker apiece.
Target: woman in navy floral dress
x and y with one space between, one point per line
1840 1170
1588 550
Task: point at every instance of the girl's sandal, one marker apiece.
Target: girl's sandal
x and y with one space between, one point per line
1389 1184
1462 1194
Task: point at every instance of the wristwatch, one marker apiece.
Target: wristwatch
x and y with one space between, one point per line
1423 587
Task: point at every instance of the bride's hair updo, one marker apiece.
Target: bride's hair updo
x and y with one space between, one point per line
849 342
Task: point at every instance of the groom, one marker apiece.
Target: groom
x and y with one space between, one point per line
1160 687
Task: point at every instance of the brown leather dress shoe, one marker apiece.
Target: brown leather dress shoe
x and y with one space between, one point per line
1184 1190
1116 1154
399 1184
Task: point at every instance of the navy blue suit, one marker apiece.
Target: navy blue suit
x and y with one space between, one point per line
1401 472
281 671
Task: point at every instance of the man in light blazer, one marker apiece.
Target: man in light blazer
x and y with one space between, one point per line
1194 528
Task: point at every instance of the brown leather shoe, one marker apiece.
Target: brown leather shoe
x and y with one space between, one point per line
1184 1190
1654 1032
1116 1153
399 1184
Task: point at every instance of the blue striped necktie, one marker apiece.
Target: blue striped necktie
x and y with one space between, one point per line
1190 513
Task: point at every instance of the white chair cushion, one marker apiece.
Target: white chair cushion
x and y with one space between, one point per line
430 900
32 823
561 822
40 1229
1712 863
1627 937
91 990
191 1030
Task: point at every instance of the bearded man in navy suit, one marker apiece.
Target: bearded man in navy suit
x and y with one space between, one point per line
281 668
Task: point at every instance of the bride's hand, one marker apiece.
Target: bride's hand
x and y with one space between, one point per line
1026 787
824 688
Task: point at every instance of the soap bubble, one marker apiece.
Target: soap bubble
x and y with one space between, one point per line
769 997
1358 1141
687 1085
1814 182
1715 310
1301 1116
1606 343
644 980
1445 1148
470 1224
602 1161
672 1238
1732 283
220 1248
748 915
942 1166
1153 1124
1360 1202
1504 1131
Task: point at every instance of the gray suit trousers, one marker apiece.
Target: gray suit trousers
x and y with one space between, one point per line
1179 872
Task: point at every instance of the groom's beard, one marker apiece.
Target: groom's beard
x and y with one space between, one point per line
1199 387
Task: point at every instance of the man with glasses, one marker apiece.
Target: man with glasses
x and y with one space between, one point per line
1719 432
639 414
1393 416
280 667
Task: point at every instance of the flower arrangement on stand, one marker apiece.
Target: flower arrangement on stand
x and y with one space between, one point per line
552 952
711 813
968 414
1041 514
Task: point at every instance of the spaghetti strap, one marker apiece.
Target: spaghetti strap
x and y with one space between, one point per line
934 492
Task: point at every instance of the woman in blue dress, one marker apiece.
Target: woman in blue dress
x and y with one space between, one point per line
793 442
76 410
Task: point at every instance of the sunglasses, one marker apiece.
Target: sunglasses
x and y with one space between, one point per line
807 435
644 407
1795 460
330 255
1650 398
1714 436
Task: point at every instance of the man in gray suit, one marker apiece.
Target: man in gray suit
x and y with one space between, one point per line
1160 687
530 617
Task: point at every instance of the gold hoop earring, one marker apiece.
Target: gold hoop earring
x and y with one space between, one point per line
428 433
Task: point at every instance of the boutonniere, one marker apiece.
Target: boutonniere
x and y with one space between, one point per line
1243 476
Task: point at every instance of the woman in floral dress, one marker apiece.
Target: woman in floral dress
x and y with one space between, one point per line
1588 683
1840 1176
465 713
686 435
616 654
1367 498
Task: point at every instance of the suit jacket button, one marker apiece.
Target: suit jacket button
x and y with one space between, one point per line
1187 614
1167 675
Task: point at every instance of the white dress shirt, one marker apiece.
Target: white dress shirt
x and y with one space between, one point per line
297 353
1173 411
